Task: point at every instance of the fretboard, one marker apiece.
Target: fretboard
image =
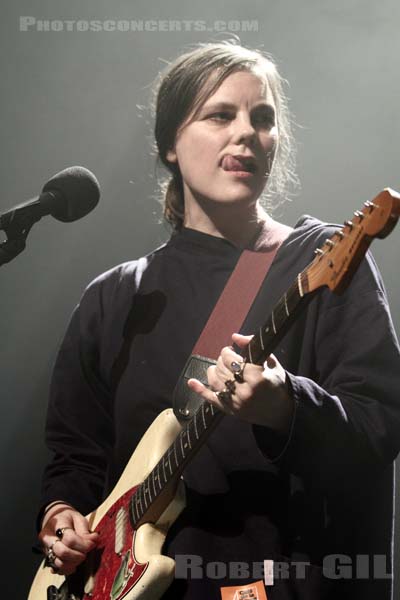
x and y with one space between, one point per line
283 314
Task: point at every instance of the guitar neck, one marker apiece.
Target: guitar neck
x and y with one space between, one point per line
283 314
196 431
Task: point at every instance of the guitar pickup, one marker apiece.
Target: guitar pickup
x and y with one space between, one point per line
120 531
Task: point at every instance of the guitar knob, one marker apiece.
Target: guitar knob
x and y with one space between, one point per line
370 205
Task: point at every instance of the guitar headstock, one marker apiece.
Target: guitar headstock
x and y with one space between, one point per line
339 257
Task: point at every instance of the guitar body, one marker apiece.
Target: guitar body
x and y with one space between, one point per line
127 563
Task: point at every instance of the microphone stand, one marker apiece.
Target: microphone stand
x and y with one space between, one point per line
15 242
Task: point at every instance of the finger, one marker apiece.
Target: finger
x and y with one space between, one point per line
208 395
73 543
66 554
76 534
221 370
63 560
241 340
81 527
198 387
229 356
80 543
80 524
65 568
218 375
57 567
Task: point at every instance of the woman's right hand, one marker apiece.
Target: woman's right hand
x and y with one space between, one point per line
76 541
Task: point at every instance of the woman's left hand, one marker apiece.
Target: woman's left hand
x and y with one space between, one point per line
263 398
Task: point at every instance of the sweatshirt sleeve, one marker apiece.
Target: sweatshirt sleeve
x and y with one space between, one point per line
346 422
79 425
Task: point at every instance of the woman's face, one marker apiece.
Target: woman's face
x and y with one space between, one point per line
225 152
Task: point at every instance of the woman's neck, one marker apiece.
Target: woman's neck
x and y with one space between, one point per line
239 226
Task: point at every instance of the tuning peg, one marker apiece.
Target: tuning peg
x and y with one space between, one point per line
349 224
330 243
370 205
319 252
359 214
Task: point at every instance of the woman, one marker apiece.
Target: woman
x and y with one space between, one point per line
284 477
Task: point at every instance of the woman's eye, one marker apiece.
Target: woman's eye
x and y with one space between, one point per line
264 118
220 116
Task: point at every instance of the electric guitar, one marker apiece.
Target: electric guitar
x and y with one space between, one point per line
133 521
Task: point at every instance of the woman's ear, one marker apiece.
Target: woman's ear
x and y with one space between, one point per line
171 156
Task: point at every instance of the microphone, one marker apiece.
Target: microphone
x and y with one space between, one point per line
67 196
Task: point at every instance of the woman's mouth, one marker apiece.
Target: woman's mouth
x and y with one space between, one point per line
240 166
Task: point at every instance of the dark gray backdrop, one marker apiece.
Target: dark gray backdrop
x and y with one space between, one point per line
72 98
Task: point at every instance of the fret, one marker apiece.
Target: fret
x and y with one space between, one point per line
169 461
188 436
135 514
273 321
292 297
153 482
286 306
143 490
300 285
139 500
249 351
281 313
203 415
182 450
157 476
163 467
195 426
147 489
175 456
260 337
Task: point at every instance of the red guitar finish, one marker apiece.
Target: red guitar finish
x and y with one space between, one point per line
118 572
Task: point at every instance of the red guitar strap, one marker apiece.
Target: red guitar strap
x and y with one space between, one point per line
227 317
234 303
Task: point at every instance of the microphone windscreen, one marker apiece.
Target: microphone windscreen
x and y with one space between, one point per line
76 191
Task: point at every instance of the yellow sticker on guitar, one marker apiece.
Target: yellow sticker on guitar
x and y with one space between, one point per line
251 591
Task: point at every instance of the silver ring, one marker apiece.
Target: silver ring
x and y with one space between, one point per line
237 369
224 395
50 558
50 548
60 532
230 385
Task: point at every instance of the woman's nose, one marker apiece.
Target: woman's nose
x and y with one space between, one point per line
243 129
